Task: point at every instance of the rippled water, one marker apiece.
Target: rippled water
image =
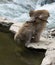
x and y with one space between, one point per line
19 9
13 54
16 9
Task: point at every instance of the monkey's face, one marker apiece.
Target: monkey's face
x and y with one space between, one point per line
39 14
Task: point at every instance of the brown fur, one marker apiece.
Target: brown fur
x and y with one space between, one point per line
32 29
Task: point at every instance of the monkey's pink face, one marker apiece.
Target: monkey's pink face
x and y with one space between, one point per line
41 14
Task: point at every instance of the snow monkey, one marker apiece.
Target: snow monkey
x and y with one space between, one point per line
32 29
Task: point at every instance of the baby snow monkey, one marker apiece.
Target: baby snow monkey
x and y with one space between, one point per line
31 30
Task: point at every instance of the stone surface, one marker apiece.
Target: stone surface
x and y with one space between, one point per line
49 58
42 44
12 25
15 27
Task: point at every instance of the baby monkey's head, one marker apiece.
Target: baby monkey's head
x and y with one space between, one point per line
39 14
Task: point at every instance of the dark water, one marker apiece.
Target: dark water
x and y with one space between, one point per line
13 54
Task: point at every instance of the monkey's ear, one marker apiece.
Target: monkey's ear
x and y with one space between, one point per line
31 13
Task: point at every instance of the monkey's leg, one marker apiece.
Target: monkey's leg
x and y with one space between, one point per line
29 36
37 37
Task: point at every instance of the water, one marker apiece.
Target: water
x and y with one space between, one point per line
16 9
13 54
19 9
43 2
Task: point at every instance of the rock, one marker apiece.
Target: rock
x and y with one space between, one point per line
10 25
42 44
52 32
15 27
5 24
49 58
